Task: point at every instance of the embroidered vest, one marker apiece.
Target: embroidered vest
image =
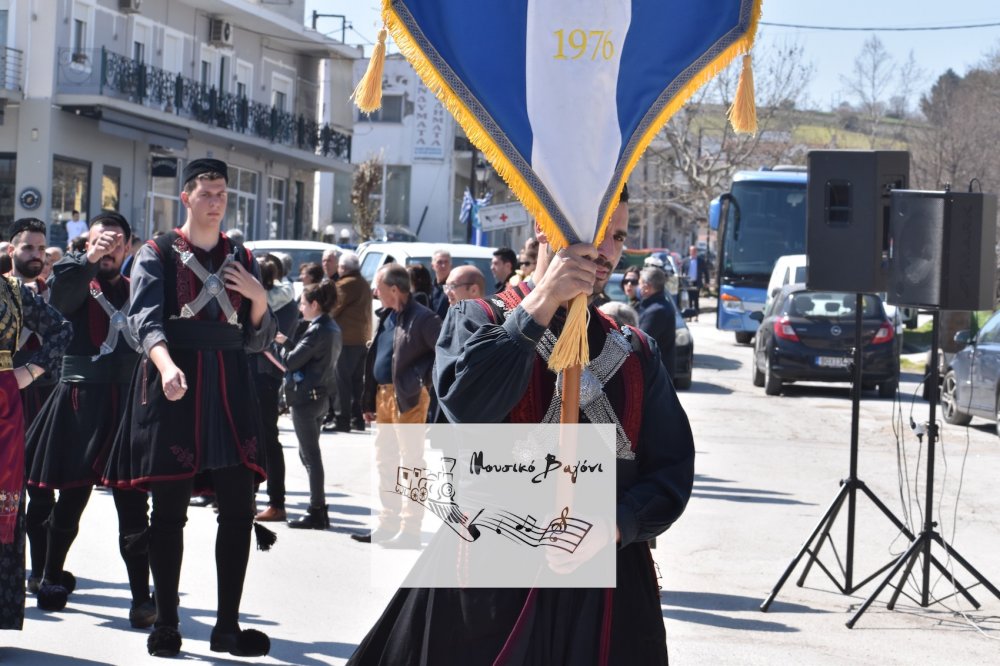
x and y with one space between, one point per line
612 385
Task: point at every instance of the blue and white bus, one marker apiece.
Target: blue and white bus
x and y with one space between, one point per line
761 218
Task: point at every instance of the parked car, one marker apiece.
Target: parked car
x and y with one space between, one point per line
793 269
971 385
809 336
683 342
300 251
394 233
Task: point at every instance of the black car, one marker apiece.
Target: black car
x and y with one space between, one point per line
683 342
809 336
971 385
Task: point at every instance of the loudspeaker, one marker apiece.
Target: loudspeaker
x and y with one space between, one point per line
943 249
847 208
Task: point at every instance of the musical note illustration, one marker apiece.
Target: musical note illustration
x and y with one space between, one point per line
563 532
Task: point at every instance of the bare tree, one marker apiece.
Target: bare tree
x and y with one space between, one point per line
694 157
367 181
869 83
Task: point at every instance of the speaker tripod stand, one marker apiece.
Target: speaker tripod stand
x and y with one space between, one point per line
848 493
920 546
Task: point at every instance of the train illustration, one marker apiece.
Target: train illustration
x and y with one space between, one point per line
421 484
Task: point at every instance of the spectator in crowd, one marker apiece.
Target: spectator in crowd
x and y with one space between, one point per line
75 227
310 273
622 313
465 282
657 314
353 313
310 361
420 283
268 374
630 285
235 235
52 255
78 244
5 261
695 269
441 264
331 263
397 377
502 266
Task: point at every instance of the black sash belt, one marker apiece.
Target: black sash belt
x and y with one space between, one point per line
202 335
109 369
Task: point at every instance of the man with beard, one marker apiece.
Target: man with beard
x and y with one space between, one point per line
19 307
192 420
68 443
491 368
27 253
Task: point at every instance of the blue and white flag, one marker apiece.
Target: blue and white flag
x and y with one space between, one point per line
563 96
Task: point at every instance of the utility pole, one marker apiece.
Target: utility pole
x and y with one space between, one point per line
343 23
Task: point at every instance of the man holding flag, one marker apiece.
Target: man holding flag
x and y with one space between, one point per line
489 369
562 97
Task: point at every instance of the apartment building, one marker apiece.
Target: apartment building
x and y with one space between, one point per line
103 102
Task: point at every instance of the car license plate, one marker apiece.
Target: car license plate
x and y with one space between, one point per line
833 361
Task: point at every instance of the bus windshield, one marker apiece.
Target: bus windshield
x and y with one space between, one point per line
767 221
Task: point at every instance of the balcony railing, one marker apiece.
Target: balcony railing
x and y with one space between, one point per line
107 73
11 68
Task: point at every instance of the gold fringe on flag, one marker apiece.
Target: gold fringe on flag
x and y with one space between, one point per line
368 95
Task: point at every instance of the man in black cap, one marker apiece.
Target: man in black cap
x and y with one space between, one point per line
192 423
68 442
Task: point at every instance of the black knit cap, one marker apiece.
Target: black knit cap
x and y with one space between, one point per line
114 219
26 224
197 167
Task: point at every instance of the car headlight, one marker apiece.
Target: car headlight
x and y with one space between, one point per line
682 337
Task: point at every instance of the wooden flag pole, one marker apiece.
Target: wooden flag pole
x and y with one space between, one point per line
570 411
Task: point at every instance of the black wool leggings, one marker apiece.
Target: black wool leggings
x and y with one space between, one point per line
233 487
133 517
52 527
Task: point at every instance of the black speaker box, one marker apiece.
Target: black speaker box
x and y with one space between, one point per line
847 208
943 249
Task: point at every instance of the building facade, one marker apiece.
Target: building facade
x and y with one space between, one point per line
103 102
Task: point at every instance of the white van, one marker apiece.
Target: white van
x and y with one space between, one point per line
789 269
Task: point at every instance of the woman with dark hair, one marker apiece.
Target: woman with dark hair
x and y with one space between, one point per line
630 284
311 273
268 374
310 361
421 285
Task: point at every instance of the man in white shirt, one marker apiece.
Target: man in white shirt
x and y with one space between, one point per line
75 227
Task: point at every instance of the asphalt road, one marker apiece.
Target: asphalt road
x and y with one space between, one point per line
767 469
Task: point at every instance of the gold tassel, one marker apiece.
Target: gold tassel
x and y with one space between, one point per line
572 348
743 112
368 95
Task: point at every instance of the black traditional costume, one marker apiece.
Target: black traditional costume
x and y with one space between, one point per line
209 438
19 307
68 445
491 368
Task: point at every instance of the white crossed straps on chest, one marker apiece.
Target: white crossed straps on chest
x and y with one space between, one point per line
117 325
213 288
594 402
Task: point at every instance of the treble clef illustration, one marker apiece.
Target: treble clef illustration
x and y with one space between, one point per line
558 526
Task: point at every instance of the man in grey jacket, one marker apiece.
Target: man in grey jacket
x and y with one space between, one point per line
397 377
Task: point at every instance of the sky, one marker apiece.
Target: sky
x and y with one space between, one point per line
830 52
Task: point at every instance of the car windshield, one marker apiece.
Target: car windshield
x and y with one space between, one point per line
299 257
831 305
614 290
